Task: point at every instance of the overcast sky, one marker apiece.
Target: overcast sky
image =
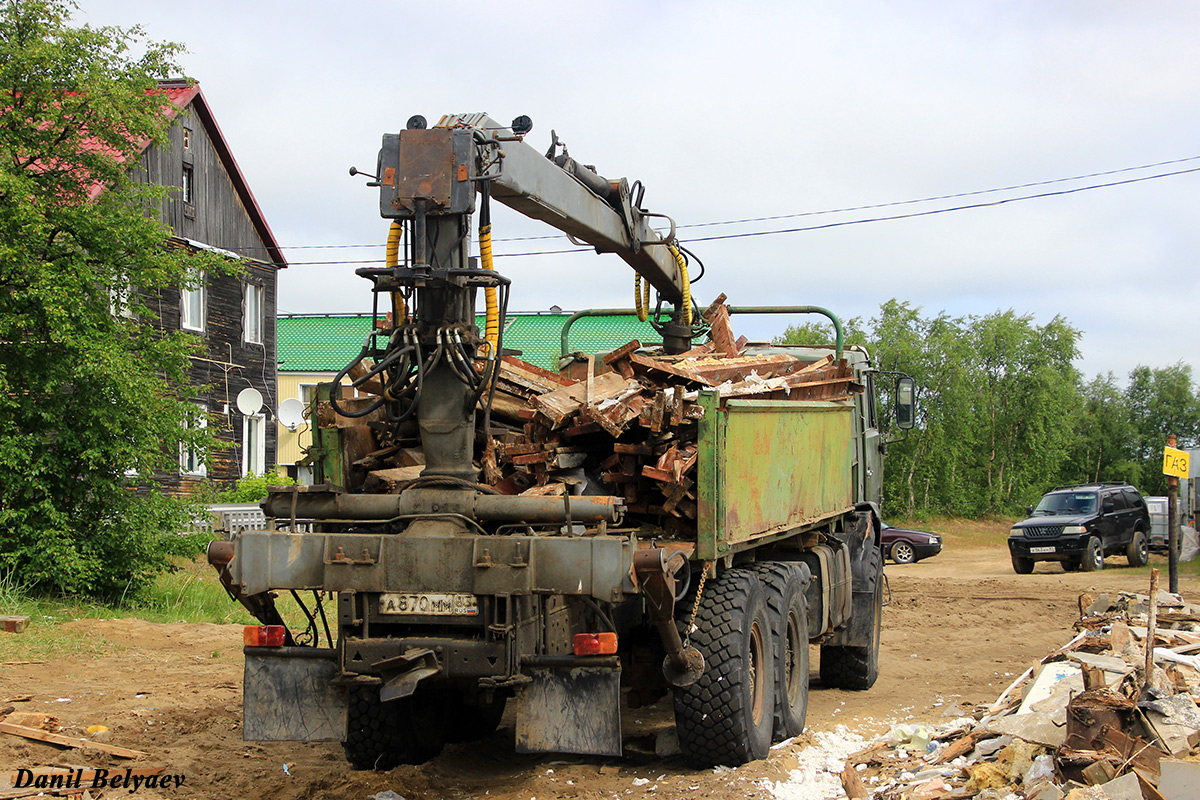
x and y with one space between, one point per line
727 111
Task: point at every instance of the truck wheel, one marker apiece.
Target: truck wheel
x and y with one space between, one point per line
856 667
725 716
1022 565
1138 553
473 719
381 735
1093 556
788 610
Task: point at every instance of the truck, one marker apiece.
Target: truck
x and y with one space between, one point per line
438 599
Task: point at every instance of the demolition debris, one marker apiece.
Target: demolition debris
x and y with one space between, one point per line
1112 714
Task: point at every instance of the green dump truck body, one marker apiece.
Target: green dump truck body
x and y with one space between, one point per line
767 467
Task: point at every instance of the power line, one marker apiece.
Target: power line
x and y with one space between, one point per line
847 209
1000 202
843 223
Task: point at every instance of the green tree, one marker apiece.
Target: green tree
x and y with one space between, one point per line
88 397
1161 401
1105 438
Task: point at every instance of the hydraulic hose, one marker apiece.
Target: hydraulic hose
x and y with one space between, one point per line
641 297
684 282
399 310
491 331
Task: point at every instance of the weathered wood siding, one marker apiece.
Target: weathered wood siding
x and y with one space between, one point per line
226 364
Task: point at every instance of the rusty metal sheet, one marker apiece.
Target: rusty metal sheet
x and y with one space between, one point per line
290 696
570 711
768 466
599 566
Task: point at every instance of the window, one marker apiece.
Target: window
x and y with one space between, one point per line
254 445
308 391
118 301
191 459
187 185
252 313
191 303
187 138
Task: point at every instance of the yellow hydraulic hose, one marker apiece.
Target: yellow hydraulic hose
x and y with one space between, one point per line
399 310
641 297
491 331
685 283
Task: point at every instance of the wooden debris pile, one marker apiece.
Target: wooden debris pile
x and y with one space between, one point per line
632 431
1097 719
628 429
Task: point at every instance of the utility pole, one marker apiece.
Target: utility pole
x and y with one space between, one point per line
1172 523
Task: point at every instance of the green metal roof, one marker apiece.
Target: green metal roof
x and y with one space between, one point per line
326 343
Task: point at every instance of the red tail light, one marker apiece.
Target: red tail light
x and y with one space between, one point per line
263 635
595 644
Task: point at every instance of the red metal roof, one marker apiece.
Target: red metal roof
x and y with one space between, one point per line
182 94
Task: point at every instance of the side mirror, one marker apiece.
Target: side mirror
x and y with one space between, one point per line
1108 506
906 402
1029 511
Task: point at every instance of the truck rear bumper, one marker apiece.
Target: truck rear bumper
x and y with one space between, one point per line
597 566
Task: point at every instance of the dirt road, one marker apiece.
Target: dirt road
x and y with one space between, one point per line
958 629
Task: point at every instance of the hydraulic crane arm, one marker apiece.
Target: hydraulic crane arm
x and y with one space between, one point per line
470 148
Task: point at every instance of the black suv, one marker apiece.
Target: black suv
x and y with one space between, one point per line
1080 525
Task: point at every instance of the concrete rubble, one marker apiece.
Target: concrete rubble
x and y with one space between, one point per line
1085 723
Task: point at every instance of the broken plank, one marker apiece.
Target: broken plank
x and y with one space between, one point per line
657 474
531 458
852 783
67 741
532 372
720 330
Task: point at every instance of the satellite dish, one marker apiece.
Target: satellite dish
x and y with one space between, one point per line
291 413
249 401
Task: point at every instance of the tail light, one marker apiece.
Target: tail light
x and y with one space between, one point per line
263 635
595 644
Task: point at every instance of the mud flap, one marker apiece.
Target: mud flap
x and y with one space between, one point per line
570 710
289 695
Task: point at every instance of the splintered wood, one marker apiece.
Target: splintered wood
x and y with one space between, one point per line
632 431
629 431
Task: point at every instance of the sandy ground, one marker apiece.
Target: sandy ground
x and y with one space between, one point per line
958 629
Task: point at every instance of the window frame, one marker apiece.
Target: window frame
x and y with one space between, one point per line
259 292
186 454
254 450
185 293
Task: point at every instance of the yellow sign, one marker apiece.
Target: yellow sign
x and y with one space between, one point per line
1175 462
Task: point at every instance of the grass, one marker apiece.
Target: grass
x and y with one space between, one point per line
962 533
191 593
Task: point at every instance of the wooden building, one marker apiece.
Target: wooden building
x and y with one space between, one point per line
211 207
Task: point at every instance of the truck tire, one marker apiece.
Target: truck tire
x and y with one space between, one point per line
1093 556
725 717
787 608
857 667
1022 565
1138 552
381 735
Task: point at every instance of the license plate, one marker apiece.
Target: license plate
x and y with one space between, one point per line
1041 549
429 603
